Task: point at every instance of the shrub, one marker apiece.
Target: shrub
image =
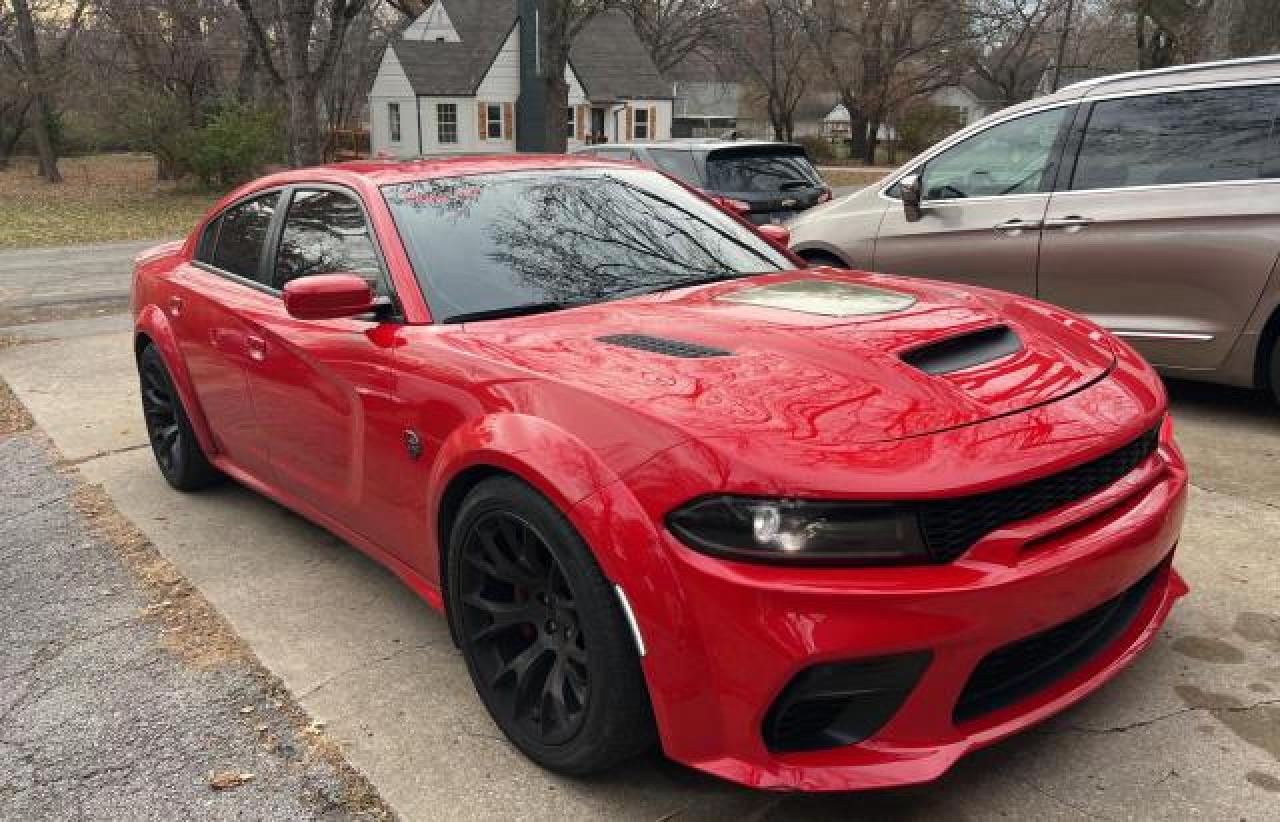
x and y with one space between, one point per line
236 144
924 124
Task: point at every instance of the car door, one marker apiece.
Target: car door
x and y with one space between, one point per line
1165 230
983 202
324 390
206 310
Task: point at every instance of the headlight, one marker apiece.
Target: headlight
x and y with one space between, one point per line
800 531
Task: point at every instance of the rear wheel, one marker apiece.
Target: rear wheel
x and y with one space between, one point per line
177 452
545 641
1275 370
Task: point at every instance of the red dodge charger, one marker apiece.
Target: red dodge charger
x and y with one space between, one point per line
806 529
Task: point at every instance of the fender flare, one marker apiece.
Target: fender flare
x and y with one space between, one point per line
153 326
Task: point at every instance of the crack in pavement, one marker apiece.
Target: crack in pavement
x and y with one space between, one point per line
111 452
381 660
1206 489
1142 723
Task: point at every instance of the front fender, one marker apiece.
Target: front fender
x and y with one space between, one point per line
153 324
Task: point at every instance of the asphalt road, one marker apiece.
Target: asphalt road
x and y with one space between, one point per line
1192 729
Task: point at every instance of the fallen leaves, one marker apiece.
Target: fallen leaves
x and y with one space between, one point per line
225 780
104 198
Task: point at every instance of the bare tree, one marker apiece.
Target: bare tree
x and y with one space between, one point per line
766 41
674 29
39 74
298 42
1016 44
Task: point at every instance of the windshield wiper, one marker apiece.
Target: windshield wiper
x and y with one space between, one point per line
653 289
522 310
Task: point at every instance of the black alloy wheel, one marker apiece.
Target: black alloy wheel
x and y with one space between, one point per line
173 442
521 620
545 641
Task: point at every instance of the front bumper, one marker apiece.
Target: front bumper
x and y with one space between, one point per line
756 627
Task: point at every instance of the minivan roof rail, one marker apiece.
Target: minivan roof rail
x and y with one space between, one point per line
1109 78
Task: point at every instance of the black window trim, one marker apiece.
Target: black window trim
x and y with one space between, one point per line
394 313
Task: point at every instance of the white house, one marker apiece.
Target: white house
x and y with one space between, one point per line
462 79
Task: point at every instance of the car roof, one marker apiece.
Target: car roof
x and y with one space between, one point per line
389 172
695 144
1244 68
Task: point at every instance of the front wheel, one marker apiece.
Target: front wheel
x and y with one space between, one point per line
544 638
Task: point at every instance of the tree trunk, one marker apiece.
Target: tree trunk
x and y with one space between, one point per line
873 142
306 145
11 134
40 94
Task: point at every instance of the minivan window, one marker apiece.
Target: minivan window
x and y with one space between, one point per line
676 163
1015 157
762 172
243 235
325 233
1181 137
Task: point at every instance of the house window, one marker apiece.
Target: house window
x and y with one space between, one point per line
446 123
393 117
493 121
572 130
641 128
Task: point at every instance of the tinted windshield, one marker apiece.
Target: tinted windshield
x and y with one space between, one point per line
760 172
497 241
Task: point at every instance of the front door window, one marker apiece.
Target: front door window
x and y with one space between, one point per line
1016 157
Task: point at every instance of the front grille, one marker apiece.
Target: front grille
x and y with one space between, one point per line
1018 670
952 526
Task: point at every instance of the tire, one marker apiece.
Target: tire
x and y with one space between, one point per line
173 442
536 620
1274 370
817 258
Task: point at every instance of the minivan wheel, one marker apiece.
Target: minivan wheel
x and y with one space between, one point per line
1274 375
821 258
544 639
177 452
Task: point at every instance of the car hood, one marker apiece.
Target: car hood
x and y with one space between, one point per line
824 357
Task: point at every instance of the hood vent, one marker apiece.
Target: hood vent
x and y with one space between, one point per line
659 345
964 350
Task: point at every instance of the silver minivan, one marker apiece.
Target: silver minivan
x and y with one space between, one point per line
1149 202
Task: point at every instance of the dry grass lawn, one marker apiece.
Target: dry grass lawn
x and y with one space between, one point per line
854 177
105 198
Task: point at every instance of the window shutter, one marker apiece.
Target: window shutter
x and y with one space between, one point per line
631 129
583 113
508 115
483 121
653 122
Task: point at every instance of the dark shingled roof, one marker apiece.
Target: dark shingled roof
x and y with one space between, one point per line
608 57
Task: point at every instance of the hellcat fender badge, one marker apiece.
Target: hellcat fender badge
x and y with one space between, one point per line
412 443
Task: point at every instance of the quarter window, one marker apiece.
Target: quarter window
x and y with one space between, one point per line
493 121
393 119
1016 157
243 234
446 123
325 233
1183 137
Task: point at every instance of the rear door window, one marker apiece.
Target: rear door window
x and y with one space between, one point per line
1182 137
325 233
243 235
764 172
676 163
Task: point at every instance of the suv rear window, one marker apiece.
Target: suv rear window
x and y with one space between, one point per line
766 170
677 163
1182 137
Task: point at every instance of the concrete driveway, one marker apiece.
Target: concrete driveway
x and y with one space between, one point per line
1192 729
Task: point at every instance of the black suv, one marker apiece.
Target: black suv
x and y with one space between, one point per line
765 182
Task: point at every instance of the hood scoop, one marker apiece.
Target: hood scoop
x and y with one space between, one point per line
664 346
964 350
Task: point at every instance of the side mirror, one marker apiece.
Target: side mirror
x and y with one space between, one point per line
777 234
909 187
328 297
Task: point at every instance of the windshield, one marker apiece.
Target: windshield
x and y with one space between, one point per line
496 242
766 172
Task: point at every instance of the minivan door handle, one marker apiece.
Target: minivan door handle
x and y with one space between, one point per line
1072 223
1015 227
